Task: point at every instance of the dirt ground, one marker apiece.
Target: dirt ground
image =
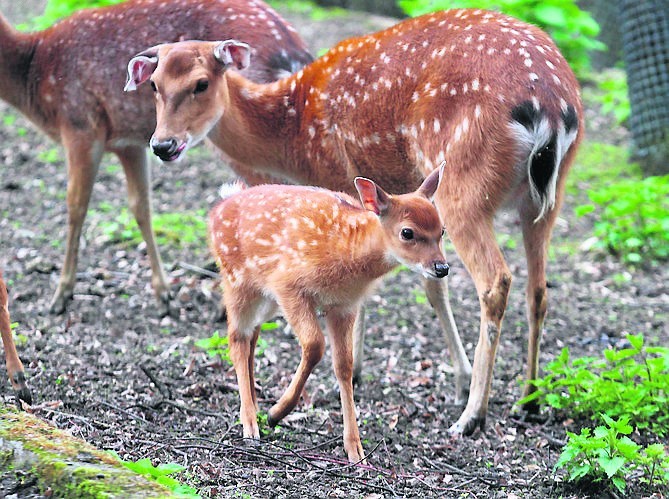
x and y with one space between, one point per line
115 373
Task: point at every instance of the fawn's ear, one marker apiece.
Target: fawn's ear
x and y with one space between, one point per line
233 53
372 197
140 68
431 182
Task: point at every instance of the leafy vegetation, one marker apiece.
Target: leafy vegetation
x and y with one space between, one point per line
572 29
161 474
217 346
607 455
57 9
627 385
630 382
175 229
614 96
633 218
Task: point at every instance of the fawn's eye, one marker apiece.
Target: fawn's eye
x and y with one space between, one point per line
406 234
201 86
153 86
443 231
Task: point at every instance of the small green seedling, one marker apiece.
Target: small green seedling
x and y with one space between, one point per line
160 474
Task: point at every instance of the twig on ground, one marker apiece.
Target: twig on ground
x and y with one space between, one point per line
198 270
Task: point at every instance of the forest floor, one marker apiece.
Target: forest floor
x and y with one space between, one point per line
114 372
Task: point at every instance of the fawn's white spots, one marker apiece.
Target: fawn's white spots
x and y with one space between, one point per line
475 84
437 125
477 111
533 76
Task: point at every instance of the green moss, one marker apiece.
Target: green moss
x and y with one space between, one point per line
70 467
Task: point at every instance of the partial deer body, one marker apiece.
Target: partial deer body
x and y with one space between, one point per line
489 95
301 250
14 365
68 80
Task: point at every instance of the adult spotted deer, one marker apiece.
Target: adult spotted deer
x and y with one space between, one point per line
14 366
68 81
489 95
303 249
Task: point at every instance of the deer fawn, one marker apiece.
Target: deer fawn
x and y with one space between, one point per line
489 95
67 80
14 366
304 249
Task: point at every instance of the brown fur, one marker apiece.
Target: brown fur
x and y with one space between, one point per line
68 80
391 106
14 364
305 250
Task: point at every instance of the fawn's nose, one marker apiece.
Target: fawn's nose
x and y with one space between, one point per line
441 269
164 148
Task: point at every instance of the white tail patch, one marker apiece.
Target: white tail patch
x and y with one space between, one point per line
227 190
530 142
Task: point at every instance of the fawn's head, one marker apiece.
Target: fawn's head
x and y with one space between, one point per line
188 81
411 226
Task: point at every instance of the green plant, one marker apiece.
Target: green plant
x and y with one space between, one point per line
608 455
160 474
51 155
176 229
633 218
614 96
572 29
630 382
57 9
217 345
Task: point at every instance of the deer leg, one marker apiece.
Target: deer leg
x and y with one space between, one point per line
340 326
301 316
358 345
138 176
14 366
536 237
252 379
476 245
437 294
83 160
240 350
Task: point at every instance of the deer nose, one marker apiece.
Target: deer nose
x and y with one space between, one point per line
164 148
441 269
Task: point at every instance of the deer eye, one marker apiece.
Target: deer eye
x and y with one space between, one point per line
406 234
443 231
153 86
201 86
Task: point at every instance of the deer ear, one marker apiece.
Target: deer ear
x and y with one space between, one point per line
140 68
431 182
372 197
233 53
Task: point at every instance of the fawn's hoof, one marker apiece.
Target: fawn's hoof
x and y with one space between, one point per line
21 390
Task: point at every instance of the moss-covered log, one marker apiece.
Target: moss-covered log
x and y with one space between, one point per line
66 465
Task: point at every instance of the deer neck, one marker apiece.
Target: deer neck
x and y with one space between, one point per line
260 126
362 239
17 50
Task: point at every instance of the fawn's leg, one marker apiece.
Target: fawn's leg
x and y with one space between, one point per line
138 176
14 365
358 345
301 315
340 328
83 160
